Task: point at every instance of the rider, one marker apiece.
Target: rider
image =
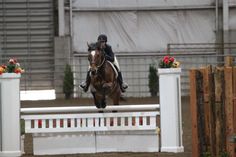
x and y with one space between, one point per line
110 57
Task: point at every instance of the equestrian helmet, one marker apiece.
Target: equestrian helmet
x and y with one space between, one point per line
102 37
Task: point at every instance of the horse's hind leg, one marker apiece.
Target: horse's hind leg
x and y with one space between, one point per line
116 100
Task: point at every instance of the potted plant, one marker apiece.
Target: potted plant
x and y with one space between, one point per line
153 83
168 62
68 83
13 66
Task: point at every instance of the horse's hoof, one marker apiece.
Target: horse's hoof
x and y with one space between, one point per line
98 106
104 105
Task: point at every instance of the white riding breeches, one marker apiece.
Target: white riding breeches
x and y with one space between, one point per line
116 63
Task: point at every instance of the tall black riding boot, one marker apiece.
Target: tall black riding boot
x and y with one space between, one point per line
123 86
85 85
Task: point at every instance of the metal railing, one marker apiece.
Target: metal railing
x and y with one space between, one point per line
47 73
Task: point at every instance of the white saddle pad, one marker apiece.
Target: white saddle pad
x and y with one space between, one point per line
113 67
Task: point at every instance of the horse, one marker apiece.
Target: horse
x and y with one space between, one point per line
104 82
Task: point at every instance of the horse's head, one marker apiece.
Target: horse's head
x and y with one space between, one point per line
96 57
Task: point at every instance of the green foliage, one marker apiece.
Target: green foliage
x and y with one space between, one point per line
224 154
22 126
153 81
11 68
233 139
68 83
206 154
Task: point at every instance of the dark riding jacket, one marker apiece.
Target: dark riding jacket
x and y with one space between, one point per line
109 53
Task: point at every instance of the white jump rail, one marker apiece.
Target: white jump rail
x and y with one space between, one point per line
128 119
66 130
139 107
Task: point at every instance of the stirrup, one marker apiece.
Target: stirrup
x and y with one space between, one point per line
84 86
124 85
122 89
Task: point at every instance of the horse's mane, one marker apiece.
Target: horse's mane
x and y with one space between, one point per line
94 46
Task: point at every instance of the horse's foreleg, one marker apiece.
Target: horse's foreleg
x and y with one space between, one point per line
96 102
106 88
103 100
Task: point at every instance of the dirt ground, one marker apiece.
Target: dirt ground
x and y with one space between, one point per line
186 116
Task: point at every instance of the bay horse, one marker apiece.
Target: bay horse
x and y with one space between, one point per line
104 82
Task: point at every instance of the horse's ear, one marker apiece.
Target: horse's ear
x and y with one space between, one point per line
89 46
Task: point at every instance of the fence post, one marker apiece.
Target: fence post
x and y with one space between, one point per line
228 73
194 107
170 110
10 115
220 142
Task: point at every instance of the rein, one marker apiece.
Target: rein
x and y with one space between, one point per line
101 63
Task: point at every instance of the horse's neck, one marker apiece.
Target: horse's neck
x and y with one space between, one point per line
105 71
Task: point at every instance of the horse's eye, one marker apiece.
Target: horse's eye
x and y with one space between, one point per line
89 58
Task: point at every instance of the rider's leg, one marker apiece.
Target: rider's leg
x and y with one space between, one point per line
85 85
123 85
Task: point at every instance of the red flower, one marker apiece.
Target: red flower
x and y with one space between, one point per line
17 71
166 61
172 59
4 66
166 58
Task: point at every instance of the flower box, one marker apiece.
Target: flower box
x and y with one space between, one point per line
9 75
167 71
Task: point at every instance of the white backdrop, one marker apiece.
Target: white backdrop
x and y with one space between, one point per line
141 31
139 3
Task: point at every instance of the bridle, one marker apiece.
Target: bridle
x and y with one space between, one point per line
97 67
103 61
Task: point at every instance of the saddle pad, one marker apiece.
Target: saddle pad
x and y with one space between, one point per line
113 67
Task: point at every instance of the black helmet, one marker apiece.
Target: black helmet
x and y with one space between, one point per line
102 37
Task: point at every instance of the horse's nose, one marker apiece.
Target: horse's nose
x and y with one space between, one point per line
93 72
